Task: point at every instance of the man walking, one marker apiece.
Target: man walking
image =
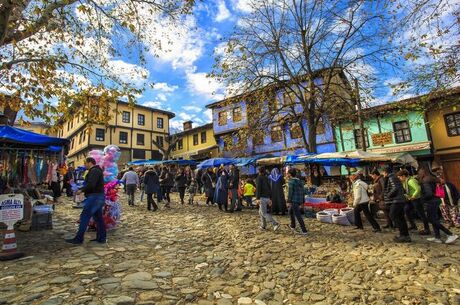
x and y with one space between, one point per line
131 180
263 195
394 197
93 204
361 203
233 184
296 198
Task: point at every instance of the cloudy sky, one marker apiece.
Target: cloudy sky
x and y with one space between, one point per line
179 71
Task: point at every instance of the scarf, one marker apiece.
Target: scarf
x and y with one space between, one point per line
275 175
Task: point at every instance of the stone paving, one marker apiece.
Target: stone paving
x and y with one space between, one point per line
198 255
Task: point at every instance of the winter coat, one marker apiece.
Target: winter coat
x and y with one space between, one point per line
393 191
166 179
209 181
378 188
454 195
151 182
360 192
181 181
296 191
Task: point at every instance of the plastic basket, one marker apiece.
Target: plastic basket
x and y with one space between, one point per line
349 212
340 220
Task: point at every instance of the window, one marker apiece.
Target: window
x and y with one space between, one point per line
160 140
80 138
203 137
160 123
289 98
402 132
180 144
100 134
140 139
68 126
237 114
72 144
453 124
258 138
359 140
277 134
84 135
138 154
222 118
195 139
320 126
273 105
296 131
126 117
123 137
141 119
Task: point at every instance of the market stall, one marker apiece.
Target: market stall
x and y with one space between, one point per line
30 163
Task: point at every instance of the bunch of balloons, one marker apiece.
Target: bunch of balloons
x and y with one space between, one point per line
112 208
109 163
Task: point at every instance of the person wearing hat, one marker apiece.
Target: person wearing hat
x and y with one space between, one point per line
394 196
361 203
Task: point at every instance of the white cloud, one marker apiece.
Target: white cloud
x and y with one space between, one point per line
165 87
129 73
245 6
208 115
199 84
185 116
153 104
175 126
162 97
192 108
223 13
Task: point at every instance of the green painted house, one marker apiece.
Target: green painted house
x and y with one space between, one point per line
393 128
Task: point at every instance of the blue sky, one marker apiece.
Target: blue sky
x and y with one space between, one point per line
179 71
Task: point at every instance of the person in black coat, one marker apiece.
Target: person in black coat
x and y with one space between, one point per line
432 204
181 184
151 186
233 184
166 183
393 195
209 181
278 199
449 208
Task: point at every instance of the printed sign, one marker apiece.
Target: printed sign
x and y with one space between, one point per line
11 208
379 139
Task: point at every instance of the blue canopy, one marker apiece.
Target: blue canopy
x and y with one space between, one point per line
296 159
334 161
180 162
139 162
9 134
216 162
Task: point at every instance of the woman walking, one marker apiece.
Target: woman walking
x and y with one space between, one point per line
361 203
432 202
378 187
166 183
278 199
221 193
263 195
209 182
151 186
449 206
181 184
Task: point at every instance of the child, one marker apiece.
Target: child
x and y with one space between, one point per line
249 191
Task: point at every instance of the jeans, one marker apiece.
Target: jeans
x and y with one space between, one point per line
433 217
397 216
364 207
418 205
248 200
294 212
263 212
130 191
235 202
181 193
151 203
92 207
159 195
142 195
409 210
165 189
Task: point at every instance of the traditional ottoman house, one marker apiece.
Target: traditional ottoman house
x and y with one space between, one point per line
443 114
390 129
236 137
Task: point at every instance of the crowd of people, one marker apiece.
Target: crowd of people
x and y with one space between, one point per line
402 197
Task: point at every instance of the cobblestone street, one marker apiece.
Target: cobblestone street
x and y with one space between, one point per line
198 255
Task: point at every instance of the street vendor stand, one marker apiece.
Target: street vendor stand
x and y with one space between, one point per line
28 160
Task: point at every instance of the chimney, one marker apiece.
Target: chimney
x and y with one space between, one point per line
188 125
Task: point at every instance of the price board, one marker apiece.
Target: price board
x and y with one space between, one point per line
11 208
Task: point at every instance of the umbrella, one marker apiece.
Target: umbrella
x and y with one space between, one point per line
216 162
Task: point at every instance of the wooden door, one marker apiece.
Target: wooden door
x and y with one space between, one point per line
452 172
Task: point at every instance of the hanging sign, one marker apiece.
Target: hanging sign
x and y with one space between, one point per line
11 208
379 139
